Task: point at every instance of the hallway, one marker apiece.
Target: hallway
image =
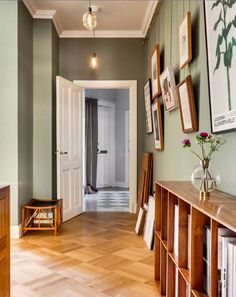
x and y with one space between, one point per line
95 255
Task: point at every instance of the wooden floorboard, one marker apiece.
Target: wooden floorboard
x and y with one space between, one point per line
95 255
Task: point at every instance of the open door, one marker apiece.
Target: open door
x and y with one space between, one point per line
69 147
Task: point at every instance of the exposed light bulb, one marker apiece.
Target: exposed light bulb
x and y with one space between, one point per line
90 20
93 61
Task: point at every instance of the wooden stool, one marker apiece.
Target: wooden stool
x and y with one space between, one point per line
35 215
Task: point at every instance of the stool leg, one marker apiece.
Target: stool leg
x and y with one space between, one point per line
55 221
23 220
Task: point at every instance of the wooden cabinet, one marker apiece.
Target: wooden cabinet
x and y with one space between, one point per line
183 271
4 243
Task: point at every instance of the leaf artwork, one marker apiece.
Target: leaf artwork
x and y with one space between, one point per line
225 45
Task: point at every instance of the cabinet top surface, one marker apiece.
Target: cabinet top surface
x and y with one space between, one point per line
220 206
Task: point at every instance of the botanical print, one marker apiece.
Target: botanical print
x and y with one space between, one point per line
147 95
221 42
168 88
185 51
157 125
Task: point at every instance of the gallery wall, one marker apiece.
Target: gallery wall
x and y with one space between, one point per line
175 163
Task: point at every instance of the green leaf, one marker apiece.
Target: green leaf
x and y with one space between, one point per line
233 41
217 62
234 21
228 55
216 4
218 21
219 42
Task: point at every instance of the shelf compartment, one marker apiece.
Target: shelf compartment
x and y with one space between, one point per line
164 243
185 274
157 208
163 267
196 293
157 259
198 221
171 277
184 211
172 201
182 286
164 204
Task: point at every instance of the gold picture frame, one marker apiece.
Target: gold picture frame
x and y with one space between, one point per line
155 72
157 125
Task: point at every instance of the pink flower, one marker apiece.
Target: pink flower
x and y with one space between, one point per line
186 142
204 134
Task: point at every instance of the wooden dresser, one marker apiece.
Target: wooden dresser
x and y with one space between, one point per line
4 242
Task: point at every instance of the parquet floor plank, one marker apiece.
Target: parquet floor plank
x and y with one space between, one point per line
95 255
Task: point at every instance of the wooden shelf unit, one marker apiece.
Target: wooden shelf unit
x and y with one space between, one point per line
219 210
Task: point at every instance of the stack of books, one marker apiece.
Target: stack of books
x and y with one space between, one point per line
226 262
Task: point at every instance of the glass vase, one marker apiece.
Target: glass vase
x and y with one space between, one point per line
204 179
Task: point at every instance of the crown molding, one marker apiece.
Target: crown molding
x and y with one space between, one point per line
102 34
148 16
52 14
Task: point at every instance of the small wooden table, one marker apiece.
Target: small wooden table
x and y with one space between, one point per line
42 215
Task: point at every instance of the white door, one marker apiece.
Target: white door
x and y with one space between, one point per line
105 165
69 147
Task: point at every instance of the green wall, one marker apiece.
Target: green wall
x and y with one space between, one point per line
175 163
45 61
8 98
25 106
118 59
46 67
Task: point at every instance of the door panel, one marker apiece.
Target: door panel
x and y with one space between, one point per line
69 147
104 147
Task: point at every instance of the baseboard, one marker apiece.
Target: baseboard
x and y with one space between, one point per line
120 184
16 232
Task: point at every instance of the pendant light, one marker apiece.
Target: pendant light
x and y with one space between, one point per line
90 19
93 60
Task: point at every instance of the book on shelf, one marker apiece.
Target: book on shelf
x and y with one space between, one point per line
206 259
231 287
176 230
224 270
222 232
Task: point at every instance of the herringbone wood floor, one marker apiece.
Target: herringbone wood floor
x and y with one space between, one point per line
95 255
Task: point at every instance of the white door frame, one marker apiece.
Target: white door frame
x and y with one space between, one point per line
132 86
126 148
112 166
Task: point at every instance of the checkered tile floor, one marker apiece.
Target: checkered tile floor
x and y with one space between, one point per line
107 201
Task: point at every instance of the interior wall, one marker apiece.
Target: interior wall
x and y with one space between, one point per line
8 98
164 30
118 59
25 106
45 61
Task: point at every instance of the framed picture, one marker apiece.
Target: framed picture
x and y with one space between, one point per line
140 221
187 106
185 41
168 88
221 54
157 125
148 100
148 234
155 72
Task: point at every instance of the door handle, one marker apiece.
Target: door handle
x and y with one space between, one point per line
102 152
63 153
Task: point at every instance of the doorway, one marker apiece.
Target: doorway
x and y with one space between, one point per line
69 94
109 191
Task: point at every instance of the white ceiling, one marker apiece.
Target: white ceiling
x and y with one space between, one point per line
122 18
